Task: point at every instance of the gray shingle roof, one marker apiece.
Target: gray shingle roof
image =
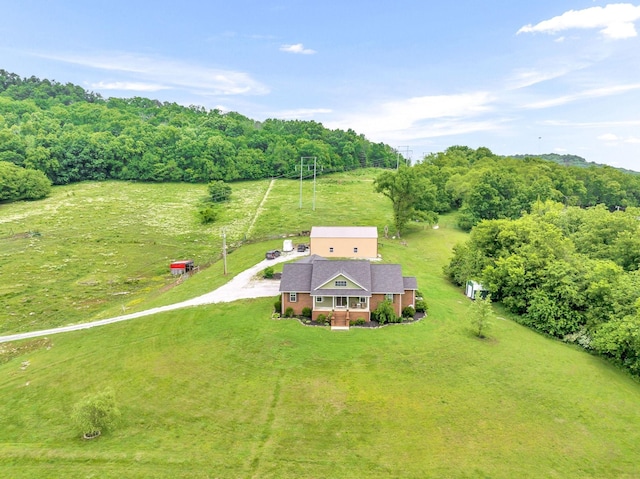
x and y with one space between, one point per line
387 278
309 275
357 271
296 278
410 282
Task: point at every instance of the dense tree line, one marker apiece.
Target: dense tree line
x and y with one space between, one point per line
73 135
570 272
482 185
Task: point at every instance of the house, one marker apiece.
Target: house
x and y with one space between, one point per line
345 289
344 241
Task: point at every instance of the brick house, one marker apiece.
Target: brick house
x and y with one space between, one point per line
346 289
344 241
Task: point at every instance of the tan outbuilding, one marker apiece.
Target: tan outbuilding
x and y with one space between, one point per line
344 241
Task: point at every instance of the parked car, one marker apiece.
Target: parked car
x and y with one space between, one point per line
272 254
302 247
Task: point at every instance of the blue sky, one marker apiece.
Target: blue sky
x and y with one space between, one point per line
515 76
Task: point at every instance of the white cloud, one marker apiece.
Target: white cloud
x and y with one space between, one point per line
523 78
300 113
593 93
134 86
612 138
591 124
615 21
297 48
167 72
608 137
423 117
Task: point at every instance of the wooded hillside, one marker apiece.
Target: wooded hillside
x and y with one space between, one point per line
74 135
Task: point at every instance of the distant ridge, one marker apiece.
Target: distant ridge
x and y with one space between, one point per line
570 160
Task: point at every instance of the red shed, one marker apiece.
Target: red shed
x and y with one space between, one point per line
182 267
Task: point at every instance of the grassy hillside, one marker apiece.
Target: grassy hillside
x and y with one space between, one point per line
94 250
224 391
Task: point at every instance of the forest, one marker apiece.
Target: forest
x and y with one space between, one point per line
557 245
73 135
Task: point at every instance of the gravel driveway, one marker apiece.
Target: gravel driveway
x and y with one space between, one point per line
244 285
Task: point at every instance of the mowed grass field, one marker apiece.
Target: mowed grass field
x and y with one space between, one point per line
224 391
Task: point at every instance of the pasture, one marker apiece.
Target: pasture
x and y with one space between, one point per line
224 391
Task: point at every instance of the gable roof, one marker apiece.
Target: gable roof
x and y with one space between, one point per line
296 278
344 232
309 275
356 271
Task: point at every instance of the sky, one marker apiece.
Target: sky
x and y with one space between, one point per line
517 77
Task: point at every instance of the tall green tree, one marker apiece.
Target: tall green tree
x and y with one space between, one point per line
412 196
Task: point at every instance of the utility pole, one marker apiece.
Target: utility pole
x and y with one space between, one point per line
314 183
398 155
302 158
224 250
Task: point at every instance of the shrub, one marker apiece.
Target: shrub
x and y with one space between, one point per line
306 312
288 313
219 191
93 414
321 319
357 322
408 312
268 272
207 215
421 306
278 305
384 313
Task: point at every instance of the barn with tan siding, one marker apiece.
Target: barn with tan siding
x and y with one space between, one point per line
344 241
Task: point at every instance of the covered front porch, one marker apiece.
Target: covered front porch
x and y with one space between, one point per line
342 309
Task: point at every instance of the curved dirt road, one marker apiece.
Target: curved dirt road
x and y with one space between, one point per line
242 286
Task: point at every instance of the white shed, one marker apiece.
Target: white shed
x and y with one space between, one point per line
287 245
475 290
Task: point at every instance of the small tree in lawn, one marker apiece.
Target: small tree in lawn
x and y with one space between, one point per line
95 413
481 314
219 191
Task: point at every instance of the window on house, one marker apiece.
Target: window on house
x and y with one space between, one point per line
389 296
318 299
330 249
362 300
340 282
341 301
293 297
355 250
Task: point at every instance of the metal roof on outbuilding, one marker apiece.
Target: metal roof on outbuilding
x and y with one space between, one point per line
344 232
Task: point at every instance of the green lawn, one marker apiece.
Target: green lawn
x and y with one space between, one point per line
223 391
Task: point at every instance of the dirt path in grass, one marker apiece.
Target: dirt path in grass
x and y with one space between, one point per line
259 208
243 286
